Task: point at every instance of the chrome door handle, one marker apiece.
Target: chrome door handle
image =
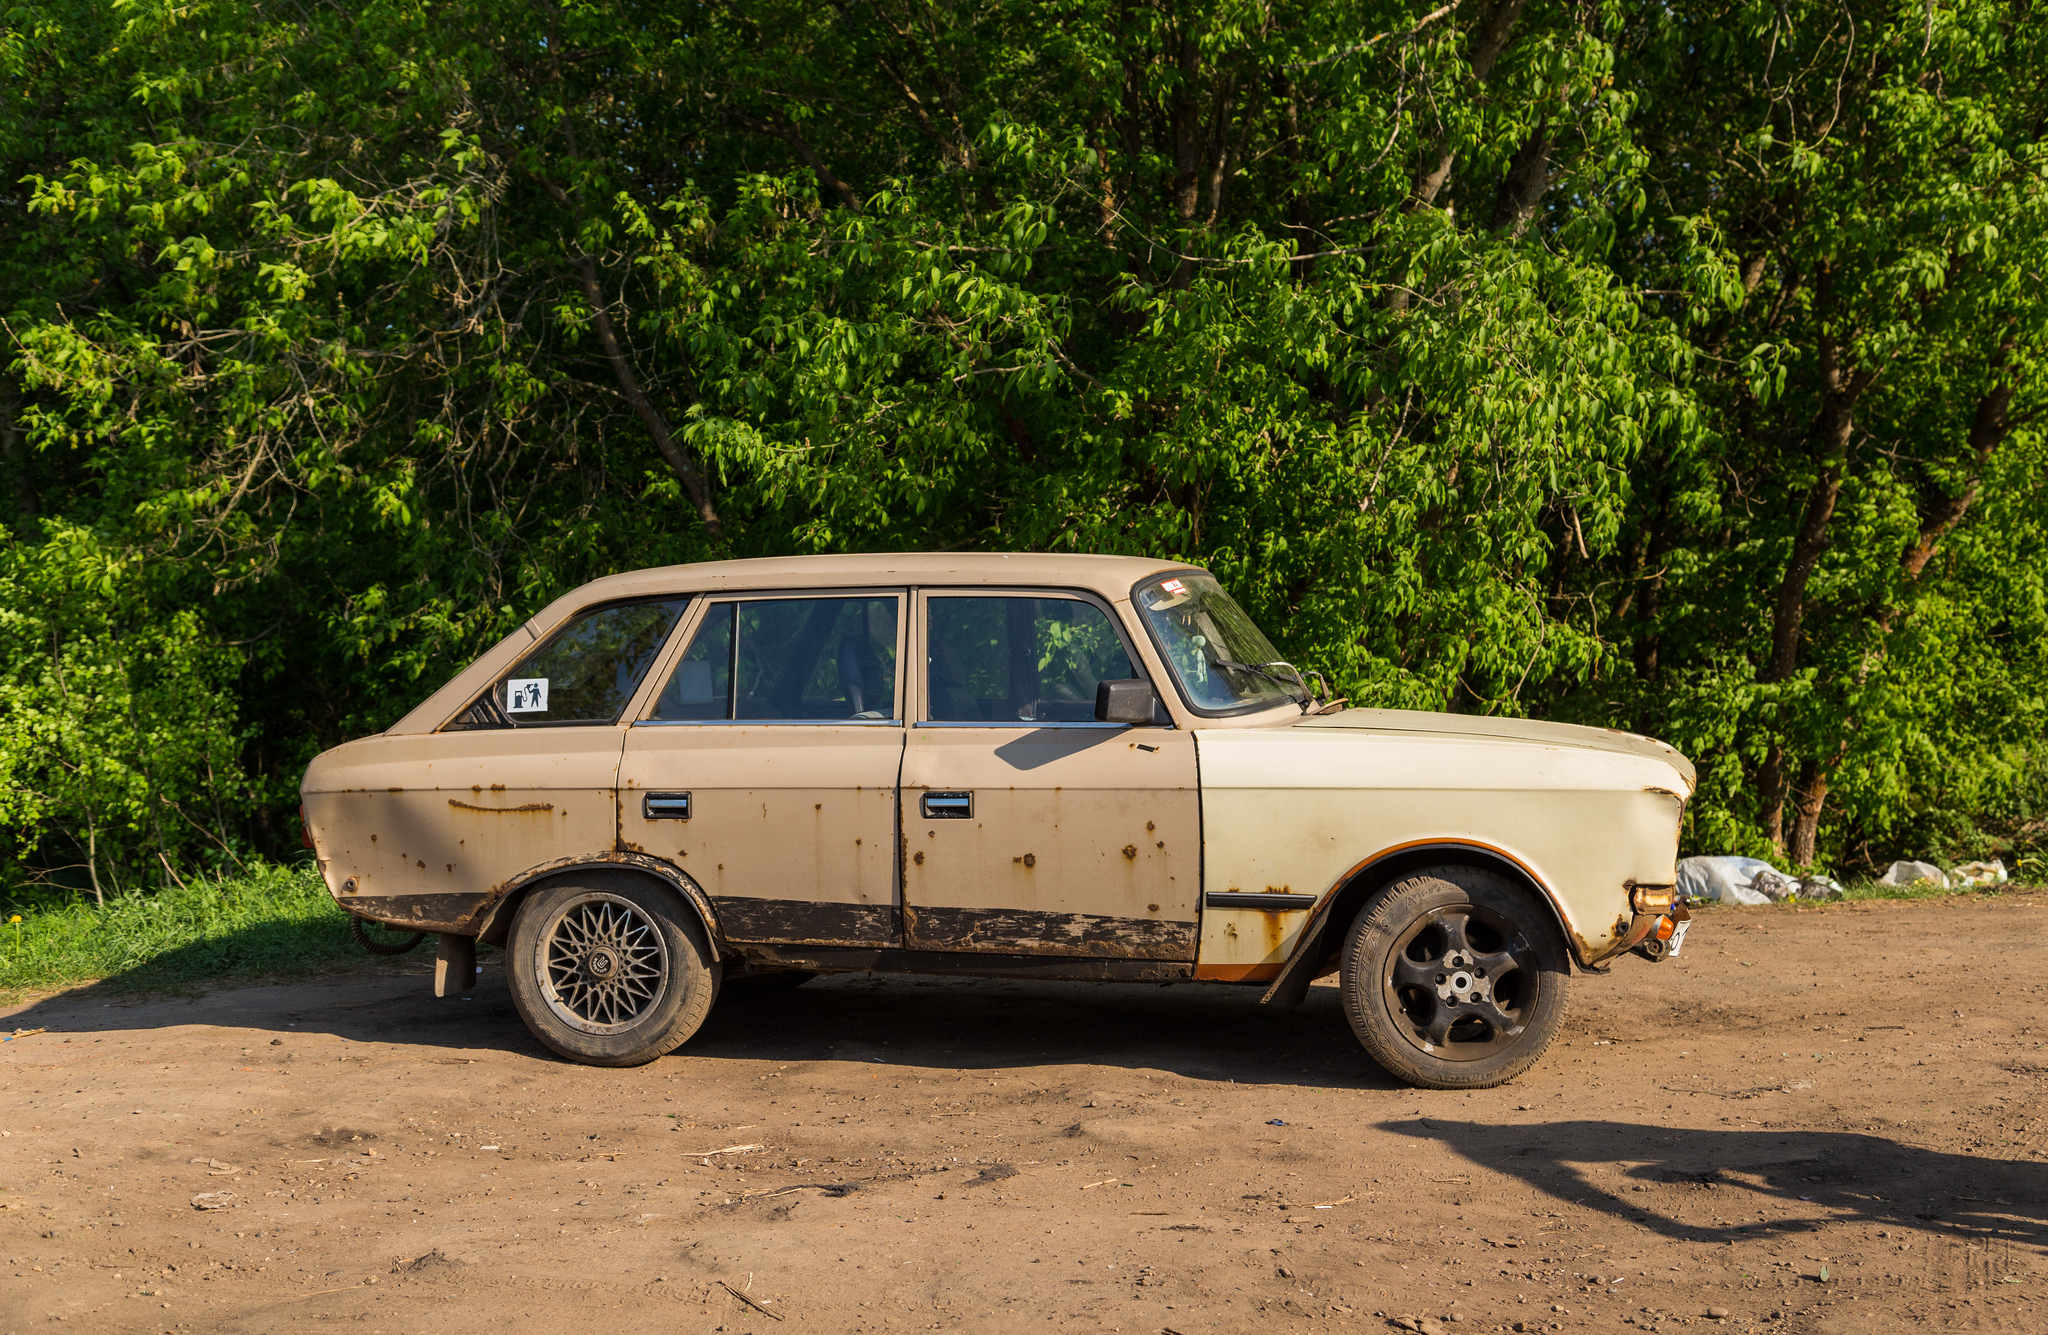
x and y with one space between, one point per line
946 806
665 806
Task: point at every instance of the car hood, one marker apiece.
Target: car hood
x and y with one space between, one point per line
1506 729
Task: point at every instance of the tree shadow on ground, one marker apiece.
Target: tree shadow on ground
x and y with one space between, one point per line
1754 1183
1201 1032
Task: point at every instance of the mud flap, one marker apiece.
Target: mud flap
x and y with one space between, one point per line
454 965
1303 966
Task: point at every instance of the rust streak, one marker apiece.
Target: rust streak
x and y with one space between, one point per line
498 811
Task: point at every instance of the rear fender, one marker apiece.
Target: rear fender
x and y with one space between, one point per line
495 923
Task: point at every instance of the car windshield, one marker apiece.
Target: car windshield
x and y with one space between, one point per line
1223 661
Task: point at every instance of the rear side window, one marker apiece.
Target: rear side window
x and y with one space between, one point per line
787 658
589 669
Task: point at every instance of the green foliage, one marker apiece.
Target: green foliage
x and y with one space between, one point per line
1669 369
271 919
118 730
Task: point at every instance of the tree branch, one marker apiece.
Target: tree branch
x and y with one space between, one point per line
790 135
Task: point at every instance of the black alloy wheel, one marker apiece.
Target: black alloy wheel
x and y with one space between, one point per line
1455 978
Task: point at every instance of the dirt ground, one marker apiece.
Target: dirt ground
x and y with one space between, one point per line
1815 1120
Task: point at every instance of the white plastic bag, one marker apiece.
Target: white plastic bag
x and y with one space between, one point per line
1725 880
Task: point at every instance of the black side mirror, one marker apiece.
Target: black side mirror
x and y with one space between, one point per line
1130 701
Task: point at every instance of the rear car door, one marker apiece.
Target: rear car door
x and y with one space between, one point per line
767 764
1029 828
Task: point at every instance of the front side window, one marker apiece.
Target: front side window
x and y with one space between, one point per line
587 671
1223 660
1018 660
787 658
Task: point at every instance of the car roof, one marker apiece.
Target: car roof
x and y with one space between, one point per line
1112 576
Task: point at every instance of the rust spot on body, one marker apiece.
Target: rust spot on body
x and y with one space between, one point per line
1029 859
499 811
1131 852
919 859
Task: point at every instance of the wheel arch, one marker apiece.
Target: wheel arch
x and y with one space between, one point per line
495 926
1320 944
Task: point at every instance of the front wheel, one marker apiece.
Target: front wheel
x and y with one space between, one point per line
610 970
1455 978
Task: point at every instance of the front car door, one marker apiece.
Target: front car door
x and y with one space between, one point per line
1029 828
767 763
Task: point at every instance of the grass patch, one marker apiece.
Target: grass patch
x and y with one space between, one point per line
1864 891
276 919
1857 890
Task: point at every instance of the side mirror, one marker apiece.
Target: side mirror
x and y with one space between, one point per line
1130 701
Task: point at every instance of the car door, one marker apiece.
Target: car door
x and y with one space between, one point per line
1029 828
767 763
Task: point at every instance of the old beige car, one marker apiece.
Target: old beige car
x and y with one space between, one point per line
749 773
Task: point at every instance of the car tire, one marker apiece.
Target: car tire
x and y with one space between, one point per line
610 970
1455 978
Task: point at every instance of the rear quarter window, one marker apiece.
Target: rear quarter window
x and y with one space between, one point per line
585 672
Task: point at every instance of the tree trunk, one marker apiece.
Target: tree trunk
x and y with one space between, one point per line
1841 389
679 460
1809 796
1522 188
1989 426
14 461
1770 789
1489 39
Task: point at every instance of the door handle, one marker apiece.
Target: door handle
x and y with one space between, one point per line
665 806
946 806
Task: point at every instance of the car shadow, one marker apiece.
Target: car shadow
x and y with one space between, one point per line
1785 1181
1201 1032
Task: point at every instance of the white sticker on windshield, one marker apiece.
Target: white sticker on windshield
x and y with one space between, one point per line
1173 586
526 695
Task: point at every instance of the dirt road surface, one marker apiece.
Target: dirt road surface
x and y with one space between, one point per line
1816 1120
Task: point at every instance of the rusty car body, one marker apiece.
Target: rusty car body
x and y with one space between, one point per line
678 781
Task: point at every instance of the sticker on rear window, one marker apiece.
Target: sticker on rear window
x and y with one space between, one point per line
526 695
1173 586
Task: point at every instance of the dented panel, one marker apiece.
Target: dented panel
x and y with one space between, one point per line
410 827
1082 841
1302 807
781 815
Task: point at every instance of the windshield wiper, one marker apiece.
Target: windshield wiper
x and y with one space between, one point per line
1289 686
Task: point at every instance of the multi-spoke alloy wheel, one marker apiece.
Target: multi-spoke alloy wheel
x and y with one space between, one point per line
613 970
602 964
1455 978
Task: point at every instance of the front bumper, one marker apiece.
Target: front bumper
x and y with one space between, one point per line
1658 928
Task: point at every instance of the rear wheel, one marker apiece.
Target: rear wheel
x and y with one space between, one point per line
610 970
1455 978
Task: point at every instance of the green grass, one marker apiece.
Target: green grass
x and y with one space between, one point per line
275 919
1855 890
